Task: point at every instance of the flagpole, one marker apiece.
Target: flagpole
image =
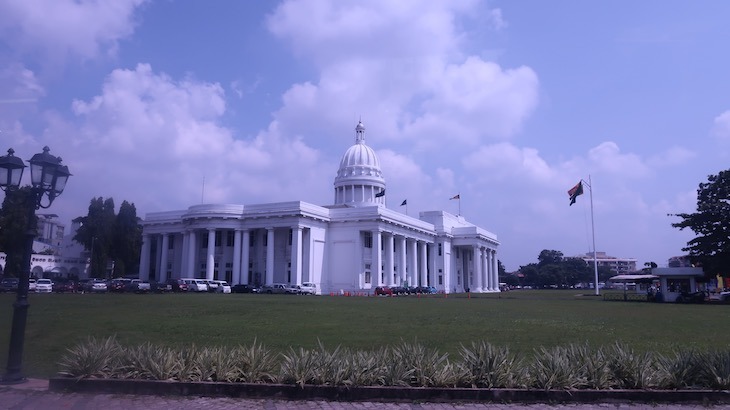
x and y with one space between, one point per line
593 233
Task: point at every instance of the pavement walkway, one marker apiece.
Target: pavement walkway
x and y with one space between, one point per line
34 395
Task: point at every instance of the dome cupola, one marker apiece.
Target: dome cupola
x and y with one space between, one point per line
359 180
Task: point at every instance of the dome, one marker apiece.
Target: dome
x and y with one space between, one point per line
359 179
359 159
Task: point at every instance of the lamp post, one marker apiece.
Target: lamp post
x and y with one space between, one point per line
48 179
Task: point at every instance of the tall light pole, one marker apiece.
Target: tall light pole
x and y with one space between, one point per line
48 179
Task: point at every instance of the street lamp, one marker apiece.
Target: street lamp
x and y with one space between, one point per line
48 179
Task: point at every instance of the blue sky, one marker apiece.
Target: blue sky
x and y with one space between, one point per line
168 104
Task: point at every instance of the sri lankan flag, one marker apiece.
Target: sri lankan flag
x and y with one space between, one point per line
575 191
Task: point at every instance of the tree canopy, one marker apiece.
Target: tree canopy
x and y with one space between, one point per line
711 223
14 224
110 237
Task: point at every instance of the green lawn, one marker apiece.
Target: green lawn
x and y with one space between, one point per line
522 320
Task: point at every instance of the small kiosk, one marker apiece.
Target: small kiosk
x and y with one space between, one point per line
663 284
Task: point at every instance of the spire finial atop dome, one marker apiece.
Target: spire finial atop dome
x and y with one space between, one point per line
360 133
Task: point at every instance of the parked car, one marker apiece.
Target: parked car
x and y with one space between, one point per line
293 289
44 286
177 285
725 296
274 288
64 286
212 285
138 286
244 288
9 285
221 286
383 290
196 285
94 285
118 285
399 290
31 285
160 287
308 288
692 297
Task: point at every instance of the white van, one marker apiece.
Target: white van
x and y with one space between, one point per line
196 285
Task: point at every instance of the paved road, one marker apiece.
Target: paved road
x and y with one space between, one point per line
34 395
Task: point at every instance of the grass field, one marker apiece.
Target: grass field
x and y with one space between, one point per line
522 320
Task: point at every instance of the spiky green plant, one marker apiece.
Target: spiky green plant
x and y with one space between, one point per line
554 369
299 367
188 364
629 369
91 359
488 366
594 372
680 370
256 363
149 361
715 371
421 362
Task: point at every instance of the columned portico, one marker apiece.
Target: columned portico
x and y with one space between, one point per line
210 259
236 257
424 264
476 259
144 271
192 253
389 266
269 256
377 259
412 262
296 254
245 255
162 271
402 263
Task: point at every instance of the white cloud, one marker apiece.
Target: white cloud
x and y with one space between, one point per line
403 66
721 126
83 28
608 157
171 131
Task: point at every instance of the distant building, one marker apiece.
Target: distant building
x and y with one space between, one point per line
618 265
353 245
679 262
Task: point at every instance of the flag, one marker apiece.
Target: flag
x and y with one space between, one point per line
457 196
575 191
379 194
405 202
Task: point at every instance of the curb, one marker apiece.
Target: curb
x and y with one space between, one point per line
383 394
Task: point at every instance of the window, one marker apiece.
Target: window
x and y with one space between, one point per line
251 239
367 273
441 280
439 249
367 239
291 233
266 239
230 238
218 238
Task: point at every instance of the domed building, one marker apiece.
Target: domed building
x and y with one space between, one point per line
354 245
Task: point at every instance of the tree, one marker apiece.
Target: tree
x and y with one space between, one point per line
95 233
127 240
14 224
711 224
548 257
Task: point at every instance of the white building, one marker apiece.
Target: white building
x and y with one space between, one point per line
354 245
619 265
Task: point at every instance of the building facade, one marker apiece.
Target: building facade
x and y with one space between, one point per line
619 265
353 245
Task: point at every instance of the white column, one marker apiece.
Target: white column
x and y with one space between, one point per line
162 277
236 279
388 247
245 251
412 262
210 260
476 259
446 258
402 263
269 256
192 253
296 254
144 260
377 259
433 274
485 269
495 271
423 266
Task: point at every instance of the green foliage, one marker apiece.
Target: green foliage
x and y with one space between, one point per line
111 237
554 269
711 224
631 369
570 367
14 225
